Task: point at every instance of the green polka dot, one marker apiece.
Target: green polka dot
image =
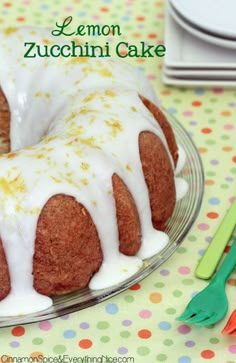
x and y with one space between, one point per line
213 100
210 142
212 121
37 341
177 100
59 349
225 137
192 238
125 334
214 340
159 284
129 298
105 339
188 281
181 250
161 357
143 351
211 173
170 311
208 110
177 293
233 170
103 325
168 342
224 186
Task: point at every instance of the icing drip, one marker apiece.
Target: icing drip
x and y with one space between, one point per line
52 103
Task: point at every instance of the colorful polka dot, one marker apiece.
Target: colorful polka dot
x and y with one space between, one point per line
18 331
85 343
207 354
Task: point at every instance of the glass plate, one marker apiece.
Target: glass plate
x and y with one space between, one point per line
185 214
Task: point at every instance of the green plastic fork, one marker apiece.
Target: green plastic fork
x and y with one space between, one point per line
210 305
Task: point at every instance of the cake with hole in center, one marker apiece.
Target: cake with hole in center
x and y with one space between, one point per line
87 173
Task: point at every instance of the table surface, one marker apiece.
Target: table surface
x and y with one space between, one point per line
139 324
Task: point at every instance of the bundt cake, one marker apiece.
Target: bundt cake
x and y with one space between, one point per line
87 178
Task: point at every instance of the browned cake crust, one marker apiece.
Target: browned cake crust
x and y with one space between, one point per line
67 246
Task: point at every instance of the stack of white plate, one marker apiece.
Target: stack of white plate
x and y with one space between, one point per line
200 41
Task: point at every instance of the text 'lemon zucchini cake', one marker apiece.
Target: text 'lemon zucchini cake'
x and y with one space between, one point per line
87 173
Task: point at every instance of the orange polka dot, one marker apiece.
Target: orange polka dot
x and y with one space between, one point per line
159 4
212 215
165 92
140 18
234 159
85 343
140 60
202 150
104 9
144 334
135 287
152 35
136 35
226 113
37 356
232 282
207 354
20 19
155 297
206 130
196 103
7 5
227 148
18 331
209 182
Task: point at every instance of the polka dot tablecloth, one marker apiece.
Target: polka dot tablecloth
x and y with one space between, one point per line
139 324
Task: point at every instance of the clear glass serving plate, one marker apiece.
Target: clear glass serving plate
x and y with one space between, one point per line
185 214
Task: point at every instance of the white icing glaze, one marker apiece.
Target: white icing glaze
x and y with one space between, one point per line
52 101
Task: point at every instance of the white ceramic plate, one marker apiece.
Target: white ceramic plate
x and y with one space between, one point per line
197 32
181 81
215 16
185 51
201 73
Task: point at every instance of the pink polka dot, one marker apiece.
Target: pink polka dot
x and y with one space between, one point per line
228 127
184 329
45 325
231 199
217 90
96 17
151 77
232 349
187 113
68 8
184 270
145 314
203 226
